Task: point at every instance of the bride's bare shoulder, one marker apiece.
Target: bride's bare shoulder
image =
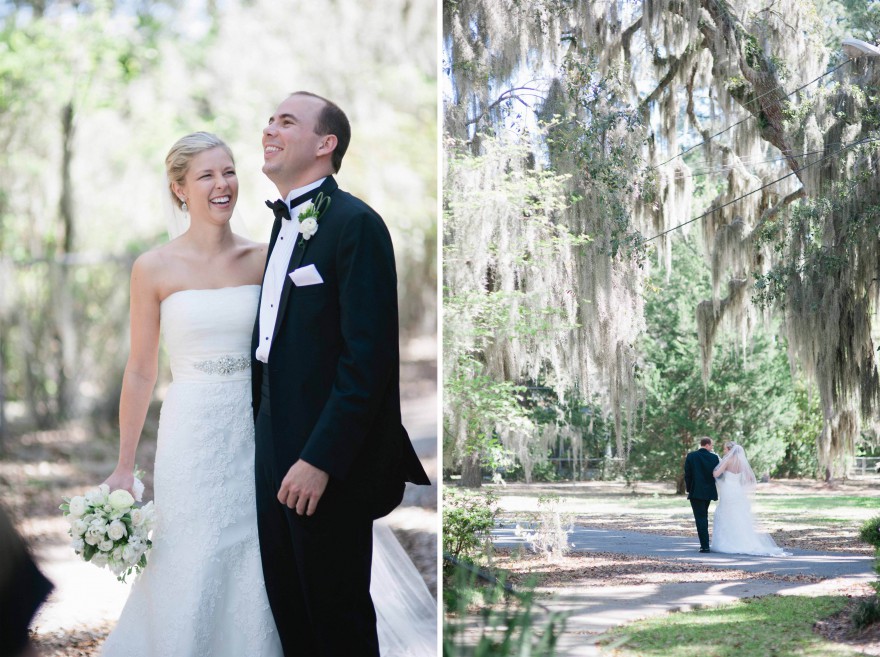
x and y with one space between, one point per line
254 252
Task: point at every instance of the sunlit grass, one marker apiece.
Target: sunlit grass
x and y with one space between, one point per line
771 507
780 626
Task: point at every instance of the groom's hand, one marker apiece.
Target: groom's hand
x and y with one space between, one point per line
302 487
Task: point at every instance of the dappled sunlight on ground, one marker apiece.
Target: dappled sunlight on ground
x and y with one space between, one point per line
802 514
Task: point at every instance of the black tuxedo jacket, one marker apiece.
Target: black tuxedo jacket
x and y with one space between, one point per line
334 366
698 479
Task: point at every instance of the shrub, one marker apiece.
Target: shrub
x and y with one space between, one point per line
867 613
505 620
468 519
870 532
549 528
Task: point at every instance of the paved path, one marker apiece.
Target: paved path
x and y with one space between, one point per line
678 548
595 610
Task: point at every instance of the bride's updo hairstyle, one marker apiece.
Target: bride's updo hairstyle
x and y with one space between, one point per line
181 154
729 444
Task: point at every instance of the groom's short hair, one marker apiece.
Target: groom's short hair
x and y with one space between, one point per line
705 440
332 121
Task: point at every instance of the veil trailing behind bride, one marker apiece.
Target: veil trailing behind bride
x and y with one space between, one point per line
733 528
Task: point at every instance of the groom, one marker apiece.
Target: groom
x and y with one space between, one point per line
331 452
700 484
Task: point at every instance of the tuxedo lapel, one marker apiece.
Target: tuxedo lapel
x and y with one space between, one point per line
299 251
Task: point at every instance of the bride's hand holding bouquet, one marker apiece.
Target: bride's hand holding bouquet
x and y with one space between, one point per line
108 529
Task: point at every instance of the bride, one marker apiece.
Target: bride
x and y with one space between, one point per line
202 593
733 524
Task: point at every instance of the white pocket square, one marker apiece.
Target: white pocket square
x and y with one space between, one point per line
307 275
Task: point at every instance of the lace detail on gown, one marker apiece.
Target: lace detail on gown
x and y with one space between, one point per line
733 524
202 593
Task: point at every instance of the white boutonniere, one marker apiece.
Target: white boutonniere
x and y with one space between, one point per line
310 216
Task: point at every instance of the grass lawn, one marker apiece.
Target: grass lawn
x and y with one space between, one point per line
781 626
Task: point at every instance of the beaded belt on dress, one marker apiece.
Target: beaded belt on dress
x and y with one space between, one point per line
225 365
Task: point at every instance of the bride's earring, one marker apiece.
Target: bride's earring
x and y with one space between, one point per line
183 205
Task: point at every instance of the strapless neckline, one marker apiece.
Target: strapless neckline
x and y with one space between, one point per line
209 289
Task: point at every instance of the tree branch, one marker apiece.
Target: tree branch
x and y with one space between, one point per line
510 94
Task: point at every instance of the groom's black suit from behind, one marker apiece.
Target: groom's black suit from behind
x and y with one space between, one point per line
334 401
700 484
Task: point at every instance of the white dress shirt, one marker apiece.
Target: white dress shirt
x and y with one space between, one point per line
276 271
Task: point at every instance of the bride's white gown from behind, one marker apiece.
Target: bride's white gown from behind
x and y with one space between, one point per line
733 524
202 592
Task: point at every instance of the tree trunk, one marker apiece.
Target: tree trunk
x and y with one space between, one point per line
680 488
65 323
471 472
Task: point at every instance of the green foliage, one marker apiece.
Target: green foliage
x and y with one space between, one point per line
800 458
468 520
750 397
866 613
870 532
602 141
479 316
849 205
508 624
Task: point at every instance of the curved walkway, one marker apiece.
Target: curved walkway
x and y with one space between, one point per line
594 610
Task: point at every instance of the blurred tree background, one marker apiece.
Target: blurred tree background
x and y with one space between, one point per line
92 95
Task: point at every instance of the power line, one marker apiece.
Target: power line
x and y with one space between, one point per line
744 162
750 116
762 187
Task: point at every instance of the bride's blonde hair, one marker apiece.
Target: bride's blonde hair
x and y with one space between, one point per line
184 150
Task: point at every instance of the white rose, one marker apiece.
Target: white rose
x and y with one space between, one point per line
78 545
77 506
116 530
137 517
308 227
121 499
95 497
138 488
307 208
149 515
105 489
93 535
100 559
129 554
117 567
79 527
106 545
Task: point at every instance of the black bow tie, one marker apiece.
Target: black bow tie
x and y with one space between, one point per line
280 209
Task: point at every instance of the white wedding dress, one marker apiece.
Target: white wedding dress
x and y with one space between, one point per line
202 592
733 525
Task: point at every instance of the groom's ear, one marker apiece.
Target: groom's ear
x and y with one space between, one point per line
327 145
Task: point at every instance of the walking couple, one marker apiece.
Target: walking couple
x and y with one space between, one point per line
280 438
729 480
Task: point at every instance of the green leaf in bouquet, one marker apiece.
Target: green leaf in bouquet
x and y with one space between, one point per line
65 507
89 551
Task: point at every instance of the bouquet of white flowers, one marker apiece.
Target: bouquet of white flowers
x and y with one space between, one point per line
107 529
